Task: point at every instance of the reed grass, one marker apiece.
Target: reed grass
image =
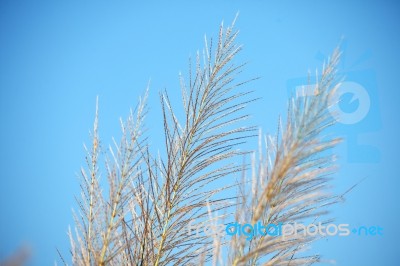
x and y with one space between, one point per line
140 213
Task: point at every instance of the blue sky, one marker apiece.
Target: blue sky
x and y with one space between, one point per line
57 56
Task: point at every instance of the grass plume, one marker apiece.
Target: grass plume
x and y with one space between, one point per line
290 183
140 214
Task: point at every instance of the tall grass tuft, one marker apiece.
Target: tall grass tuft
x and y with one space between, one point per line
139 214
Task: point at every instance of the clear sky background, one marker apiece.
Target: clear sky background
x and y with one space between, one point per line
57 56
